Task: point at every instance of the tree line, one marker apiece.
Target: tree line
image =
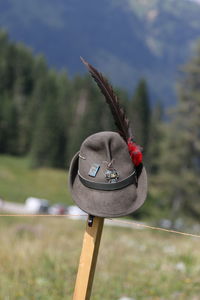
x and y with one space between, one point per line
46 115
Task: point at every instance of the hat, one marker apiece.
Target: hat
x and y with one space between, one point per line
103 179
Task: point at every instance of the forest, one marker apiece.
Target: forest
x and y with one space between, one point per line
45 115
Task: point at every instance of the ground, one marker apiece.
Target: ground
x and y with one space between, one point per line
39 259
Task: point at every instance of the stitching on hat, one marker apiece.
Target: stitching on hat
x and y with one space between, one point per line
81 156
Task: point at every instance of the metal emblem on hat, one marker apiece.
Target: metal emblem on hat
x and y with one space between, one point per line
111 174
94 170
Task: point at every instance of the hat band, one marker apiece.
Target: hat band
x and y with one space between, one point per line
108 186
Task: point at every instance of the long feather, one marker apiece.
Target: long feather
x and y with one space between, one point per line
120 118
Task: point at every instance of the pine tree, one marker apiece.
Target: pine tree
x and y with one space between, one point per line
140 113
180 165
48 143
9 126
156 135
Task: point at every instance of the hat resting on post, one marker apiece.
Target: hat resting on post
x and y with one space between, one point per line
107 177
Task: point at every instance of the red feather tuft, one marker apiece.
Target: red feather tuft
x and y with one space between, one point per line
135 152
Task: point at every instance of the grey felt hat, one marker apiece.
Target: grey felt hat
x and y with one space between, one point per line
102 178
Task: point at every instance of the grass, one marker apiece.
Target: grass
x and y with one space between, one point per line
39 255
18 182
39 259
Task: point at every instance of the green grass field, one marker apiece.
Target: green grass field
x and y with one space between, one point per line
39 255
39 258
18 181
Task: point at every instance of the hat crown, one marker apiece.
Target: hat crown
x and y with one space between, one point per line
108 151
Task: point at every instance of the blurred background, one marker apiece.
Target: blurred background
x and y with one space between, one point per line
150 52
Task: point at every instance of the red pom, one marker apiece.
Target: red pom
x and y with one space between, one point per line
136 158
135 152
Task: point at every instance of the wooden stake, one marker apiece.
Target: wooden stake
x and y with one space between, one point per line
88 259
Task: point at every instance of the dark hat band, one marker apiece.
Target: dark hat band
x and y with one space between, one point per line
108 186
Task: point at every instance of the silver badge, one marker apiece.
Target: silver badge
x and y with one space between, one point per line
93 170
111 175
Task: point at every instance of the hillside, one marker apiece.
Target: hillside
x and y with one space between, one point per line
18 182
126 40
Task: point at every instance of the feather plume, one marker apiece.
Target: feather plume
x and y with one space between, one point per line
120 118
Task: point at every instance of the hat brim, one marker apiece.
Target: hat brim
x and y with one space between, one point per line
100 203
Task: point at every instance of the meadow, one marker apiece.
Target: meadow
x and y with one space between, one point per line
18 181
39 259
39 255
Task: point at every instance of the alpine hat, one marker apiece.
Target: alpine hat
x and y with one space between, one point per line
103 179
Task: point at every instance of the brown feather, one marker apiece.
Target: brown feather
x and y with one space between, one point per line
118 112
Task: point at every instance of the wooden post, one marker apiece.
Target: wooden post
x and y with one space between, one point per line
88 259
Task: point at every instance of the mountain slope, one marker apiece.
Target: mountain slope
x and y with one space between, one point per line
125 39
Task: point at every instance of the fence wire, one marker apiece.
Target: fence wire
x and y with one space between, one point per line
132 223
